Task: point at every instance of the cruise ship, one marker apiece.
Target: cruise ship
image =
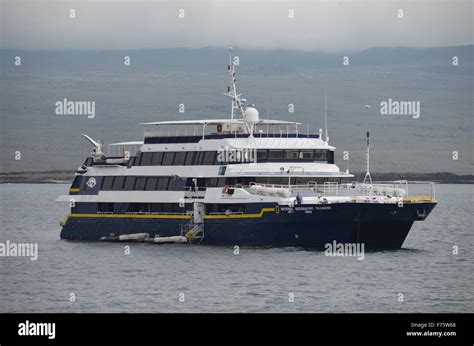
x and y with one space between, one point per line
243 181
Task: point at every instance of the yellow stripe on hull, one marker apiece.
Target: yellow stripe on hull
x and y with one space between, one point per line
240 216
131 216
419 199
139 216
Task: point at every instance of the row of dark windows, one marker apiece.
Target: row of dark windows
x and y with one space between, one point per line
139 183
209 158
195 139
142 183
119 208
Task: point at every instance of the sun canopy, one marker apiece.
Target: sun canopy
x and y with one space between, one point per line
221 121
127 143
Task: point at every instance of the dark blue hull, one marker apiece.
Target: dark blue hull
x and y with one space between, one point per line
375 225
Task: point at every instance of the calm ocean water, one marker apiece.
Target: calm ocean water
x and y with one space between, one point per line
213 279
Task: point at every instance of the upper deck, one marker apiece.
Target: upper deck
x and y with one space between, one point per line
233 132
152 137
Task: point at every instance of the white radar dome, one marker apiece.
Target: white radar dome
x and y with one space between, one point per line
251 115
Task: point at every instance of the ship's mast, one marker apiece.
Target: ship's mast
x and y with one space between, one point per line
326 107
367 177
232 89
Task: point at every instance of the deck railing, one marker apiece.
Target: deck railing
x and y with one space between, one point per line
121 150
203 130
422 190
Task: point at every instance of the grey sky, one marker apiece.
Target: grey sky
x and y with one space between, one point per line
318 25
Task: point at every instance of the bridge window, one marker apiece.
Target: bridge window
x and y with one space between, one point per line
276 154
291 154
209 157
320 155
306 154
157 158
330 156
199 157
107 183
261 180
168 159
146 159
151 183
212 182
262 155
140 183
190 158
163 183
129 183
118 183
179 158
